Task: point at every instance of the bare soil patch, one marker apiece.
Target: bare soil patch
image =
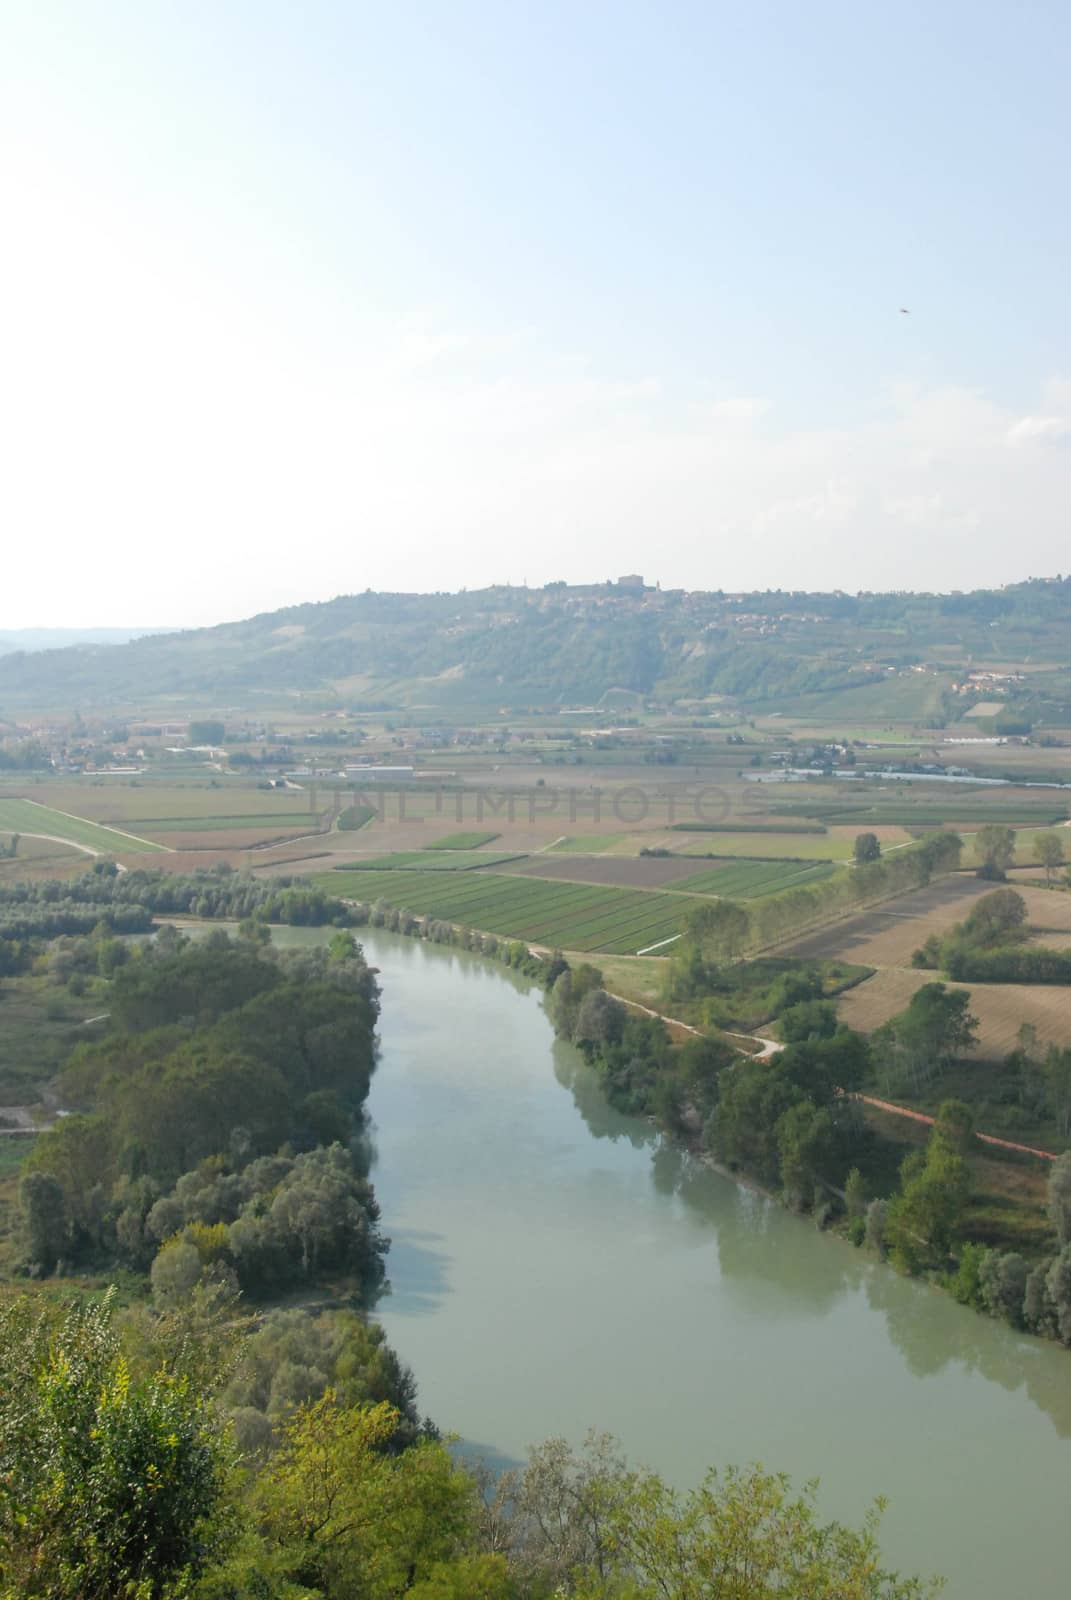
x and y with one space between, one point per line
887 935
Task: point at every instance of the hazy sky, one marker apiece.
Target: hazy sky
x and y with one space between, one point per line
304 299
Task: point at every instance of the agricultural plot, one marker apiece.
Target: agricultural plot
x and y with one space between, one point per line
585 843
1001 1008
620 872
753 880
462 841
40 858
566 915
296 821
28 816
801 846
146 803
730 879
432 860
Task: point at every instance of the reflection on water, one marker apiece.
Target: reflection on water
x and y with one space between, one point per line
557 1265
926 1326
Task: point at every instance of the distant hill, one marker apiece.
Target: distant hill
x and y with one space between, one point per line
58 638
880 655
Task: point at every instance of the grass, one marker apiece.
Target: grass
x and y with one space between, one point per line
541 911
751 880
462 841
27 816
432 860
307 820
39 1023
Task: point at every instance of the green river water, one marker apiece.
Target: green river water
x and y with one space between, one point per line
557 1266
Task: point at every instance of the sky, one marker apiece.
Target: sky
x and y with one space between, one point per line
303 300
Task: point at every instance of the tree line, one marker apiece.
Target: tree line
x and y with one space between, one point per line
216 1118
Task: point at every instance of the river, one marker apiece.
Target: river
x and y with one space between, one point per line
556 1265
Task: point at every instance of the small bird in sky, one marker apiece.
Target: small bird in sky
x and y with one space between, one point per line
904 312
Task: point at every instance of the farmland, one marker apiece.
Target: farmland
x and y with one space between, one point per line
462 841
576 916
1001 1008
729 879
40 858
432 860
27 816
799 846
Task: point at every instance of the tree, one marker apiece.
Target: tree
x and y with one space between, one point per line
867 848
855 1193
996 917
994 849
719 929
205 732
112 1483
44 1216
1049 849
738 1536
1059 1197
924 1216
599 1019
344 1517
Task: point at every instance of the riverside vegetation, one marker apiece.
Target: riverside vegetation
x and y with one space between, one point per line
191 1438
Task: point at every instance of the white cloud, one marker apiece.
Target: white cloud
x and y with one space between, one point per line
1040 430
187 443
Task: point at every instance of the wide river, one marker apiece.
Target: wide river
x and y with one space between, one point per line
556 1266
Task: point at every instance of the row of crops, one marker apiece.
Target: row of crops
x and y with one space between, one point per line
570 915
750 880
433 860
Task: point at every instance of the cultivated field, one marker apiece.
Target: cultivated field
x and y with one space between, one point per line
731 879
1001 1008
40 858
433 860
830 846
27 816
566 915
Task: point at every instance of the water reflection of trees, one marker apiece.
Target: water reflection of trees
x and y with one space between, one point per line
778 1265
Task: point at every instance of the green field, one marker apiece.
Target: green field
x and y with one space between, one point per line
26 816
432 860
462 841
306 820
564 915
750 880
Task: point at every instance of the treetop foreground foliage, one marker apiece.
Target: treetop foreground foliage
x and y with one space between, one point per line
119 1480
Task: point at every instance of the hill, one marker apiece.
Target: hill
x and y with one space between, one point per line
886 654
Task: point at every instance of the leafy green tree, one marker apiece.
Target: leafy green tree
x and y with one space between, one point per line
44 1218
867 848
924 1217
1049 849
811 1019
738 1536
345 1518
111 1485
855 1193
718 929
994 849
1059 1196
